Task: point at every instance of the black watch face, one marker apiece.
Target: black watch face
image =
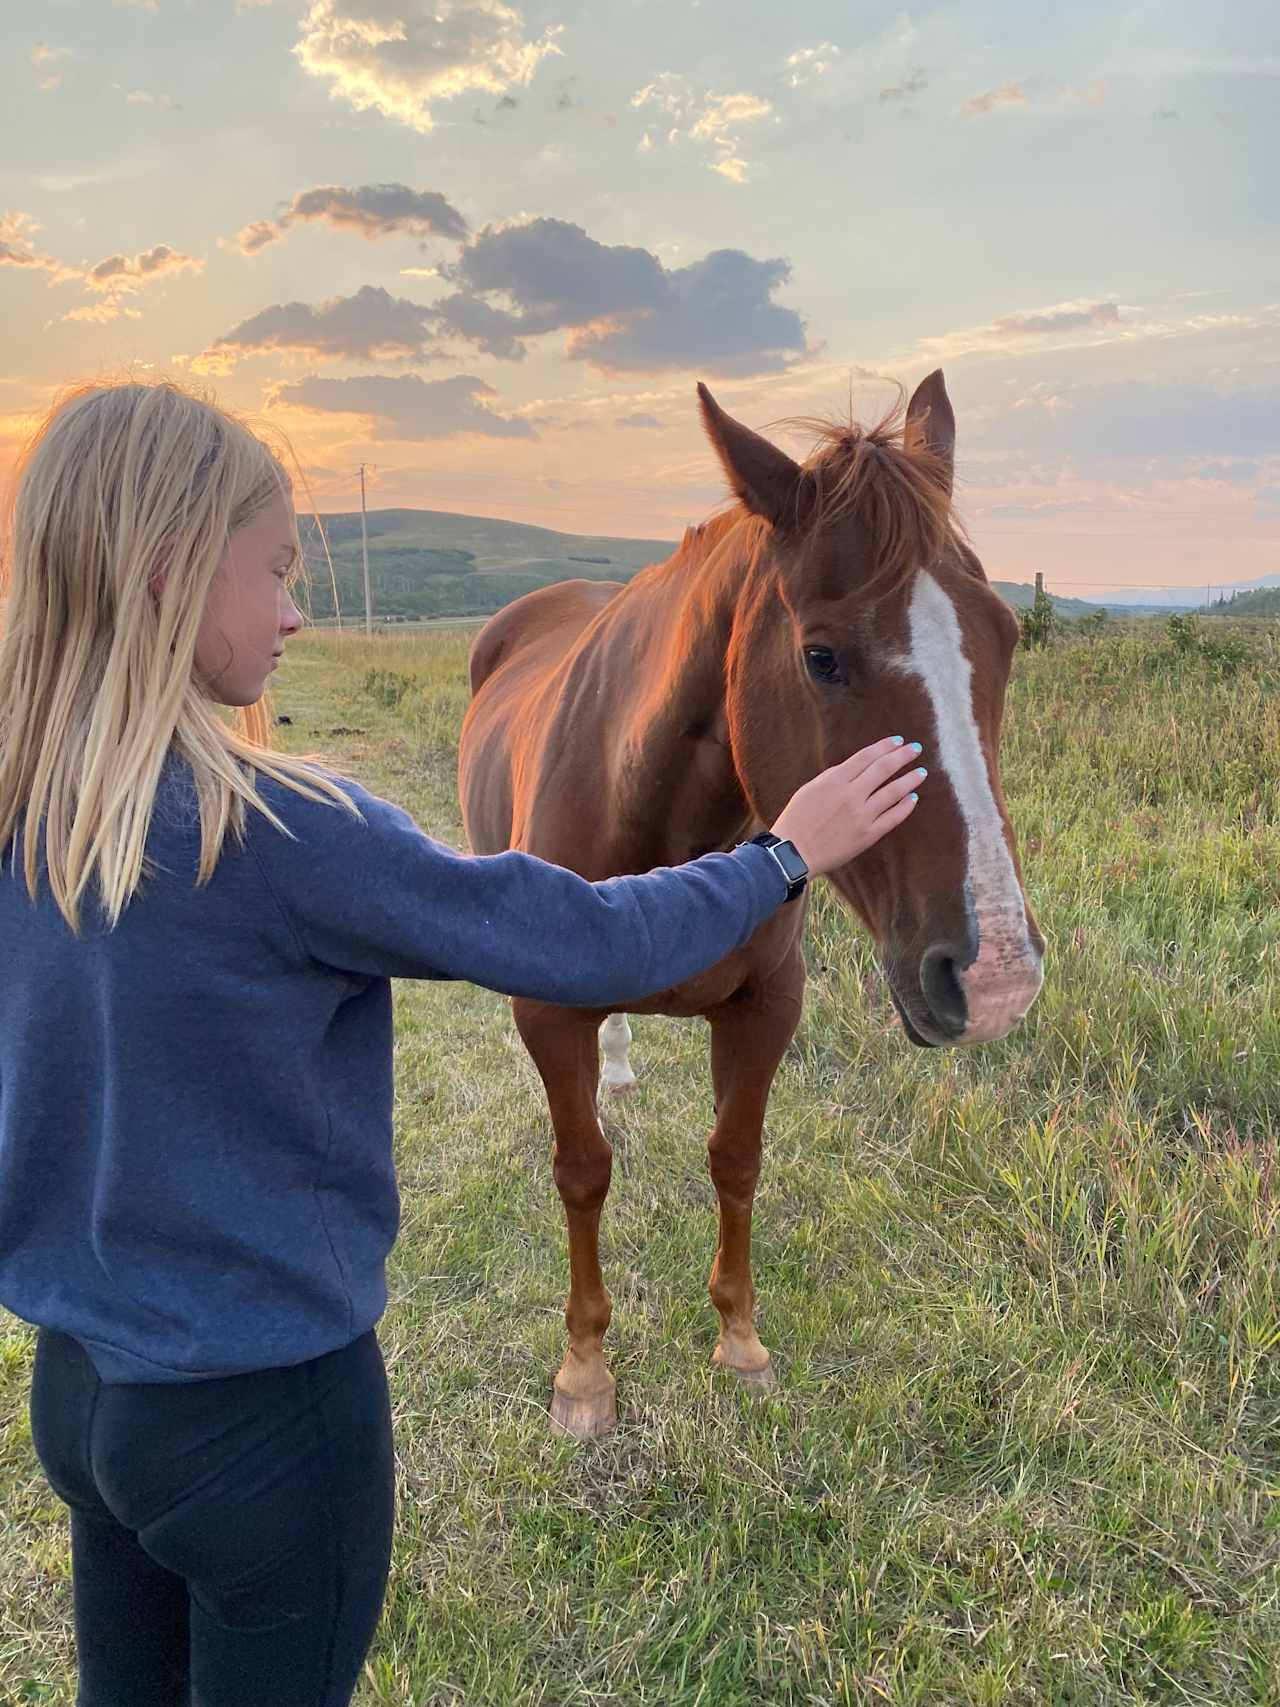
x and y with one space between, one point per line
791 862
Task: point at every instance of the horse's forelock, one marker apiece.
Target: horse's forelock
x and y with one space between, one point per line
888 478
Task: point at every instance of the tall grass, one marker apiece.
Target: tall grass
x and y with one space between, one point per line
1023 1299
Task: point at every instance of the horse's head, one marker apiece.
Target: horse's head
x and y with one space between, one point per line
862 614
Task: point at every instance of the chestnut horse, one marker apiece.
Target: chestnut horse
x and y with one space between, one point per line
614 728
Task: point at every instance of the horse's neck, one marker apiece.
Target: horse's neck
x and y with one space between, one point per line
676 775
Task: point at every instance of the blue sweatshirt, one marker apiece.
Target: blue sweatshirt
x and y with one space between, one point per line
196 1174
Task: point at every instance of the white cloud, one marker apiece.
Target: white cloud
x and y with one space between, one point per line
810 62
620 308
402 57
1089 323
131 272
115 278
1088 95
371 325
372 210
1008 95
101 312
726 112
17 233
1062 317
731 166
43 59
144 98
404 406
624 311
709 119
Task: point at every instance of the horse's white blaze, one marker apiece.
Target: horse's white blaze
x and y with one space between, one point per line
1002 982
615 1039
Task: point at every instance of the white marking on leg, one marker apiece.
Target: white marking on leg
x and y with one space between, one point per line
615 1039
1003 980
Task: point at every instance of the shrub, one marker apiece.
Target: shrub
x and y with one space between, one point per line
387 687
1223 654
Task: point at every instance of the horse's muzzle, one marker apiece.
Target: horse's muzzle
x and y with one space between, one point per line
957 997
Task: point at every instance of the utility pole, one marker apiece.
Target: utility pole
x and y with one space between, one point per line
1039 583
364 551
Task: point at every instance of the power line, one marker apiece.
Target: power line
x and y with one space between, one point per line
1127 586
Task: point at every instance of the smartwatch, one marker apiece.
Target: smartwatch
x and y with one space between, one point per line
788 859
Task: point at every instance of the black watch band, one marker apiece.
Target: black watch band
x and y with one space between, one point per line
788 859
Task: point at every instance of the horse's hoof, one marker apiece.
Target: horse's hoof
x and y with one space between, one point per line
620 1087
761 1379
584 1419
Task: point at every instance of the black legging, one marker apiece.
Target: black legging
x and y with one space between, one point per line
230 1539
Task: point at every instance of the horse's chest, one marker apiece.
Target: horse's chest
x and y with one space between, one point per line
751 964
708 990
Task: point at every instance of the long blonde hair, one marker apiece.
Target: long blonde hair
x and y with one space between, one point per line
96 665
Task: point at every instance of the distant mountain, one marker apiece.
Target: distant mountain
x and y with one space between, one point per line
1168 599
428 563
1021 594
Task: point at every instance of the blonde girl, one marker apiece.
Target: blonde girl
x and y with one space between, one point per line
197 1194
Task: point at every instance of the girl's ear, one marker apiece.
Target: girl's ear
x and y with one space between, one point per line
160 571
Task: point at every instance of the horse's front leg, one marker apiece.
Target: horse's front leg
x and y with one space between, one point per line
565 1051
749 1036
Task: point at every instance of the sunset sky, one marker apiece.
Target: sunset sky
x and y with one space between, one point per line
489 249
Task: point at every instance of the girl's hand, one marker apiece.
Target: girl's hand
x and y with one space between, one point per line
848 808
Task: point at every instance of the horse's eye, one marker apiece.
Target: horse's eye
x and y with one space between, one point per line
822 664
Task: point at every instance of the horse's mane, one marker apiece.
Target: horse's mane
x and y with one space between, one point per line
701 539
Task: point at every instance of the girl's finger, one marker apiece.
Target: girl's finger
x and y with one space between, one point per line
865 757
893 790
893 767
896 813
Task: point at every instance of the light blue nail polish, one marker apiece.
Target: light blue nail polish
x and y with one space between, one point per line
916 747
897 740
915 797
921 771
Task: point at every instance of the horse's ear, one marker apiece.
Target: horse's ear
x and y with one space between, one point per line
931 422
765 478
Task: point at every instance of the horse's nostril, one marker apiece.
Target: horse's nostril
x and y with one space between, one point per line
940 983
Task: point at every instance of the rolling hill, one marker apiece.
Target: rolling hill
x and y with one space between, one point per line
427 563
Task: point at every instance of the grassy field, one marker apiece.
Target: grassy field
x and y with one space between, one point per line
1022 1300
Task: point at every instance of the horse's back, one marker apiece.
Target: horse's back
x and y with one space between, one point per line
512 656
548 619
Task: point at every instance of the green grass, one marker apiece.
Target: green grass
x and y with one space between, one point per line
1022 1299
